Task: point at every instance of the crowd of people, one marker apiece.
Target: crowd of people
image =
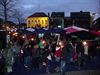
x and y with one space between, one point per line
38 53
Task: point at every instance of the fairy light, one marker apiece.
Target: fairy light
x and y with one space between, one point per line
15 34
57 48
60 43
32 39
43 42
23 36
9 32
84 43
22 51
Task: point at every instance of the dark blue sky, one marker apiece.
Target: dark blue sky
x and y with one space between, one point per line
67 6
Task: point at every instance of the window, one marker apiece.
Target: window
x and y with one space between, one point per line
42 22
46 22
28 21
32 21
39 21
35 21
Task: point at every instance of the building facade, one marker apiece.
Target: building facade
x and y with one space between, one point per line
38 20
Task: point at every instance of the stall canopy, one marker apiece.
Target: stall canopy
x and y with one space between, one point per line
57 30
27 31
73 29
42 30
79 33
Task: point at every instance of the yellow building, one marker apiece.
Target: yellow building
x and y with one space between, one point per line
38 20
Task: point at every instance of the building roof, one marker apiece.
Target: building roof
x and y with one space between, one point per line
80 14
57 14
38 14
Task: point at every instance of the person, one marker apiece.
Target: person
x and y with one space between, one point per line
86 52
16 50
41 51
35 56
63 57
27 56
46 56
53 47
80 54
9 58
70 49
57 56
2 64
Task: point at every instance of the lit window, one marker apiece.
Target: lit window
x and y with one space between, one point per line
38 20
42 22
35 21
28 21
46 22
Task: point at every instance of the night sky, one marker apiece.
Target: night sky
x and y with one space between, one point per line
31 6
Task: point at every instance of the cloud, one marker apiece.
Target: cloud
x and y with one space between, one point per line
31 6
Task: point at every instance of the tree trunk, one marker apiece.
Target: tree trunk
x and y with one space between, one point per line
5 13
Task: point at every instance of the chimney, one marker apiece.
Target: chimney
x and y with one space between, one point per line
48 14
81 11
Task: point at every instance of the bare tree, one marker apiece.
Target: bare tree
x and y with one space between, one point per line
99 7
18 16
6 7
